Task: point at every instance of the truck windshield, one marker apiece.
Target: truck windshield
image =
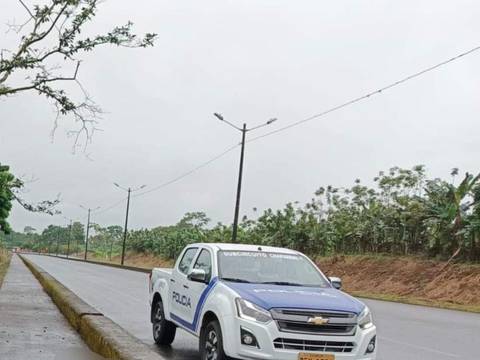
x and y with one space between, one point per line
269 268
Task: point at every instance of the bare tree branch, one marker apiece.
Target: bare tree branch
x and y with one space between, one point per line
36 51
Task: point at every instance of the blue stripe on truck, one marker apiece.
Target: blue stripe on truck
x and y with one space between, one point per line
201 302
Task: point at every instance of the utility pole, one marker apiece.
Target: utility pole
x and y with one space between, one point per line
69 238
239 186
86 237
125 229
58 242
88 228
244 131
111 248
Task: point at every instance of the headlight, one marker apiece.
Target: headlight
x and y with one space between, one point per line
247 310
365 319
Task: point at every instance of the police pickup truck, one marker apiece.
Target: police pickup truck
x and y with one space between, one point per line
257 302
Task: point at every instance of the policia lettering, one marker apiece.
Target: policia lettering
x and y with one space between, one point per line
182 300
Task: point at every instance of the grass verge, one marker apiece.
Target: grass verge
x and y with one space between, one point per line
145 261
5 257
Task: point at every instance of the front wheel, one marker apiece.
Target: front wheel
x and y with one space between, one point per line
211 343
163 330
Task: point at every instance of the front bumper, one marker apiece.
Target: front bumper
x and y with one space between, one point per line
266 334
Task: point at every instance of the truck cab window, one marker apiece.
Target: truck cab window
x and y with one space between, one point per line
204 262
187 259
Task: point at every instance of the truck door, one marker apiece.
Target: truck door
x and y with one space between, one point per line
180 294
199 290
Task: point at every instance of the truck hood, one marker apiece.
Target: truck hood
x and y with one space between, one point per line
296 297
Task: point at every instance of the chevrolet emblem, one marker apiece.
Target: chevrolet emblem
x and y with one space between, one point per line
318 320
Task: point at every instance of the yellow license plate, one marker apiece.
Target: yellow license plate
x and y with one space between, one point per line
308 356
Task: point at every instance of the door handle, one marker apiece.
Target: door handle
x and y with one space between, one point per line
186 286
171 280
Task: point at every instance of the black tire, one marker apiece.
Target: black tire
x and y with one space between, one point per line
163 330
211 342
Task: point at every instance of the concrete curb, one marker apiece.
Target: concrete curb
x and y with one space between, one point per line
100 333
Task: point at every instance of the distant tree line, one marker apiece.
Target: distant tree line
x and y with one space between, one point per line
403 213
52 239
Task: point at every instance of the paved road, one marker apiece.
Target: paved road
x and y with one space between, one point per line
31 326
405 331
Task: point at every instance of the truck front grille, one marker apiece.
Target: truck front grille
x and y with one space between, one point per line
302 321
313 345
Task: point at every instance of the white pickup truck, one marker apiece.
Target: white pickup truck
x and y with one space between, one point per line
257 302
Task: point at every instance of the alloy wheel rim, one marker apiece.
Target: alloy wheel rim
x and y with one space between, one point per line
157 326
211 345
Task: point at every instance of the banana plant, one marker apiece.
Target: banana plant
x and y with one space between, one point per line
447 206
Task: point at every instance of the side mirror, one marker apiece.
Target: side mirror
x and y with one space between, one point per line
336 282
198 275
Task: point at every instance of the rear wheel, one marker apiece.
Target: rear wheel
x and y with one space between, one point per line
163 330
211 342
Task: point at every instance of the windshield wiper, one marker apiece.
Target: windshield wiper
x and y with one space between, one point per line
236 280
286 283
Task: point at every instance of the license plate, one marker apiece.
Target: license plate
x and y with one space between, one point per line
308 356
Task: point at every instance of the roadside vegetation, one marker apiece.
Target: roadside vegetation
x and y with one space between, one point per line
403 213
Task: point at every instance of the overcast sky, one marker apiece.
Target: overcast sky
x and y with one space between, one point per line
252 60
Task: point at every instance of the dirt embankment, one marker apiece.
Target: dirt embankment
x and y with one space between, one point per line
406 279
146 261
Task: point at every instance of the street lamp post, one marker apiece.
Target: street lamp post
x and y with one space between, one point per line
125 229
244 131
88 228
86 237
58 242
239 186
69 235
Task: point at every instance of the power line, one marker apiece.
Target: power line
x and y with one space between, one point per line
169 182
114 205
366 96
202 165
316 116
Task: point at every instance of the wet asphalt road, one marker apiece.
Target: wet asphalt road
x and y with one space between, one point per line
404 331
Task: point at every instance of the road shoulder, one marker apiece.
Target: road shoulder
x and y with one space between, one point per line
31 326
100 333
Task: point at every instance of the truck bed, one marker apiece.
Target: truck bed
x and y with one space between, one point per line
162 271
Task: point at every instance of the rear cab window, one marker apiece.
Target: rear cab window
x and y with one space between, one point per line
187 259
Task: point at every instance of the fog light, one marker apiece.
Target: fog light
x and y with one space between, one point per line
371 346
247 338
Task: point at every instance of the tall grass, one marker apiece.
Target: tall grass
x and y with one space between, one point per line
4 263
